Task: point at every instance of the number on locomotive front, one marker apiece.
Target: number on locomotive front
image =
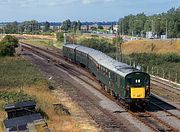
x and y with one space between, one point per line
137 85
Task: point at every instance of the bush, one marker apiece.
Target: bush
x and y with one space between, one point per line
154 59
10 40
8 45
60 36
13 96
99 44
172 57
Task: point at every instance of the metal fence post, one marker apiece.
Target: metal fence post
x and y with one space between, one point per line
176 79
147 69
163 72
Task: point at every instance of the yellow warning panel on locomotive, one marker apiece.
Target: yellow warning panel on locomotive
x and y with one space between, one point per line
137 92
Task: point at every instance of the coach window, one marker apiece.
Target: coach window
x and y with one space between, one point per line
106 72
109 74
146 80
96 64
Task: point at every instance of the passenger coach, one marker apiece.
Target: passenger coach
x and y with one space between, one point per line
121 80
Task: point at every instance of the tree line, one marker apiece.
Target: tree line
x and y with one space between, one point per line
33 27
138 25
74 26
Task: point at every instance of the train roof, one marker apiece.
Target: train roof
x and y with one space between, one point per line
113 65
85 49
108 62
73 46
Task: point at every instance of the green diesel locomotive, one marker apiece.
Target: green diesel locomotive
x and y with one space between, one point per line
124 82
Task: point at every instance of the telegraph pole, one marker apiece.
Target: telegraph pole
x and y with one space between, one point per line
64 38
166 29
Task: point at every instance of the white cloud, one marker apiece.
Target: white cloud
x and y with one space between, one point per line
95 1
32 3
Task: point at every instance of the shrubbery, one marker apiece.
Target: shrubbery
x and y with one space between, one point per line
98 44
60 36
155 59
8 45
14 96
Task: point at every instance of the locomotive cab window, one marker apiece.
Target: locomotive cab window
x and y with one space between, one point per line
146 80
129 80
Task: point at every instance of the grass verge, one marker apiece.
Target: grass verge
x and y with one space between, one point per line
21 81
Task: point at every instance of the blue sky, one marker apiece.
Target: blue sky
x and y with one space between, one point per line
84 10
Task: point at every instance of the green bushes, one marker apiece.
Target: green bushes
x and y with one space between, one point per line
98 44
13 96
172 58
60 36
8 45
155 59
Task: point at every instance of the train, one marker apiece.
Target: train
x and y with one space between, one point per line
124 82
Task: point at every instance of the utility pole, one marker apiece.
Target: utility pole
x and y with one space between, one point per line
64 38
166 29
152 24
132 28
122 28
3 31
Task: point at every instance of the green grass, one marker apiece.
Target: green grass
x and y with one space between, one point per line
44 42
39 42
58 45
14 96
17 72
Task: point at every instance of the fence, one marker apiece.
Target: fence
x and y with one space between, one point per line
155 70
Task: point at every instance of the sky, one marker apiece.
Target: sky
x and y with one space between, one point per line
83 10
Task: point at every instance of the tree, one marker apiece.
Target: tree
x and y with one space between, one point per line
60 36
93 28
140 23
1 30
79 25
11 28
46 26
11 40
87 27
100 27
8 45
66 25
74 26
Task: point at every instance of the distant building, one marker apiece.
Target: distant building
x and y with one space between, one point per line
151 35
163 37
115 28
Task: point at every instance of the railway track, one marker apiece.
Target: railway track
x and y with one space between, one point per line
165 83
146 117
99 115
